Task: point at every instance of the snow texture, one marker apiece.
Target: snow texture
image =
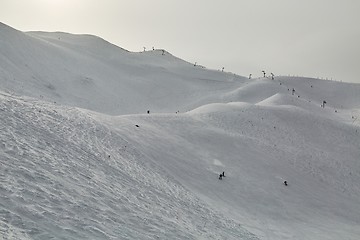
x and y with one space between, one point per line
80 158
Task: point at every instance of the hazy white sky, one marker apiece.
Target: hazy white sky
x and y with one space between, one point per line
315 38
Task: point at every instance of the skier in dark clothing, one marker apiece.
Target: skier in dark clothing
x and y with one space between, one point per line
323 104
220 177
285 183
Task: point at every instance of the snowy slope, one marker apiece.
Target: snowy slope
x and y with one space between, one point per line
88 72
70 169
66 176
259 148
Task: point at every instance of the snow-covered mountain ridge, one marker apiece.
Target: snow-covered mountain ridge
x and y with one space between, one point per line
74 166
91 73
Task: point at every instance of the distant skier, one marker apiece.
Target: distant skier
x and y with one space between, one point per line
323 104
264 73
223 174
285 183
250 76
148 111
220 177
272 76
293 91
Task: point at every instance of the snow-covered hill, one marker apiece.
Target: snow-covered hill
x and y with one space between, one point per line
88 72
73 166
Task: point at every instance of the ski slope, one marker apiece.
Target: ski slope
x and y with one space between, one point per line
86 71
67 176
81 159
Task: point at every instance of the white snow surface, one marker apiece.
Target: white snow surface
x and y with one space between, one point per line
81 159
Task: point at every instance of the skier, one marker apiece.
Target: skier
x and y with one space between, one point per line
220 177
285 183
223 174
323 104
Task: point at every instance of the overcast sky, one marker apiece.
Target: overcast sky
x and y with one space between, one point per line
315 38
